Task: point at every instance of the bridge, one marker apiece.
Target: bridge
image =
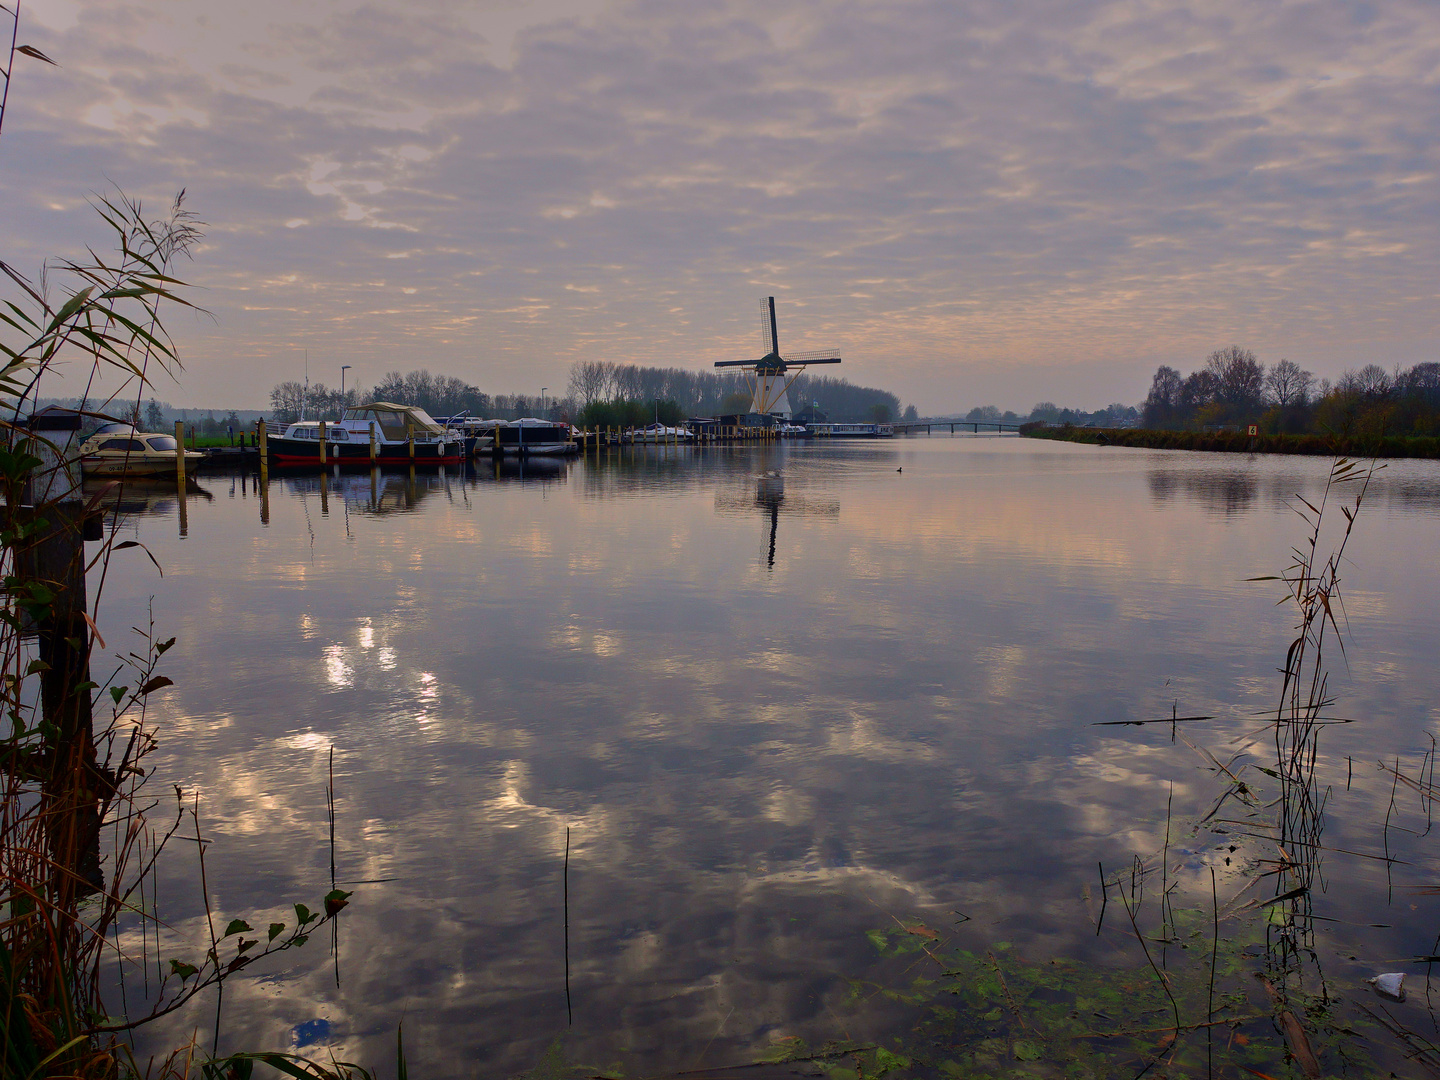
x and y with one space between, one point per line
913 426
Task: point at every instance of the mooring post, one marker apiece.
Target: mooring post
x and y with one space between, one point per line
374 450
72 783
180 454
410 438
322 442
264 443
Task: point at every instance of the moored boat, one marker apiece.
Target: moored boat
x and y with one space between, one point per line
531 435
376 433
120 450
828 430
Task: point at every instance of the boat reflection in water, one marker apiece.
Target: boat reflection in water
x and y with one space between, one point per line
374 491
141 495
521 470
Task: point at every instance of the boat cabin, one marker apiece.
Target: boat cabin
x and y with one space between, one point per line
396 421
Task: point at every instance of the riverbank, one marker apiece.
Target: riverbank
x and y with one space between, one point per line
1391 446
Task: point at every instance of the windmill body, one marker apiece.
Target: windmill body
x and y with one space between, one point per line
771 376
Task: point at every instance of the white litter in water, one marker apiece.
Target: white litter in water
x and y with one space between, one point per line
1391 985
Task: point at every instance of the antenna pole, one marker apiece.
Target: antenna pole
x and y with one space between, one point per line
774 334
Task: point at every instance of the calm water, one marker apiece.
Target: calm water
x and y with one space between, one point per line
773 712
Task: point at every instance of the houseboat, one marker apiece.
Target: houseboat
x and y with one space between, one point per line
377 433
826 430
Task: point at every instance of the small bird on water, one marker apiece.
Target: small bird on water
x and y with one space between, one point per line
901 469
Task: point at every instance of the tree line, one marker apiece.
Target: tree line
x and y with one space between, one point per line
714 393
621 392
1235 389
438 395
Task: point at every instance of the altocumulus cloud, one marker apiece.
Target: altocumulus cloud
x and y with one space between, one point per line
974 200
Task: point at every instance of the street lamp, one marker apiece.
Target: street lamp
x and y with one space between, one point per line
343 368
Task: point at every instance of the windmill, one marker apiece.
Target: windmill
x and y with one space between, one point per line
771 376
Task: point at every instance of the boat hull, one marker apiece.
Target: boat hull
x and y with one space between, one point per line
304 452
104 467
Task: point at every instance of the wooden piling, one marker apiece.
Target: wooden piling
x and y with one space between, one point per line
322 442
180 456
374 450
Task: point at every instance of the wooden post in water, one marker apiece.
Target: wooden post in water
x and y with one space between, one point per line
264 443
73 785
410 439
180 457
322 442
374 450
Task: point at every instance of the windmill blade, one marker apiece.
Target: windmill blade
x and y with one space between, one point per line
818 356
767 308
734 363
773 345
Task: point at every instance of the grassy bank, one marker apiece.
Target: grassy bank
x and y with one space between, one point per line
1389 446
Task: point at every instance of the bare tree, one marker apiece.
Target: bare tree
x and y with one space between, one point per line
1239 377
590 380
1288 383
286 401
1371 381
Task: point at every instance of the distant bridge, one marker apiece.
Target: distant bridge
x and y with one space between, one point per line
913 426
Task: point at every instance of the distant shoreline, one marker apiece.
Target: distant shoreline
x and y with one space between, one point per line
1236 442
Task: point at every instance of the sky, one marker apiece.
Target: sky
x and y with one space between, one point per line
974 201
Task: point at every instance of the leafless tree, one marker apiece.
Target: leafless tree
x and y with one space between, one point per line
1239 377
590 380
1288 383
1371 381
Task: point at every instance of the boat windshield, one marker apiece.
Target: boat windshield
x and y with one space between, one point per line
162 442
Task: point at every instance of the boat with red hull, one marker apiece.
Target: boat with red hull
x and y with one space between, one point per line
377 433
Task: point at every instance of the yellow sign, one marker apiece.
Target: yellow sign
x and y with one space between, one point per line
1254 430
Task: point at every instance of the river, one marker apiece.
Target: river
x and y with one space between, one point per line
774 697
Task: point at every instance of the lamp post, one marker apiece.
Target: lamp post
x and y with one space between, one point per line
343 368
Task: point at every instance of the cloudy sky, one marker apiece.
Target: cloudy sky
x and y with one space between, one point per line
976 201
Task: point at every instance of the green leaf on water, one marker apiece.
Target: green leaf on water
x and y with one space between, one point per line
1028 1050
878 939
886 1062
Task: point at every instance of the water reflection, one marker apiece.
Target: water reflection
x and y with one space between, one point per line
142 495
1223 492
886 710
